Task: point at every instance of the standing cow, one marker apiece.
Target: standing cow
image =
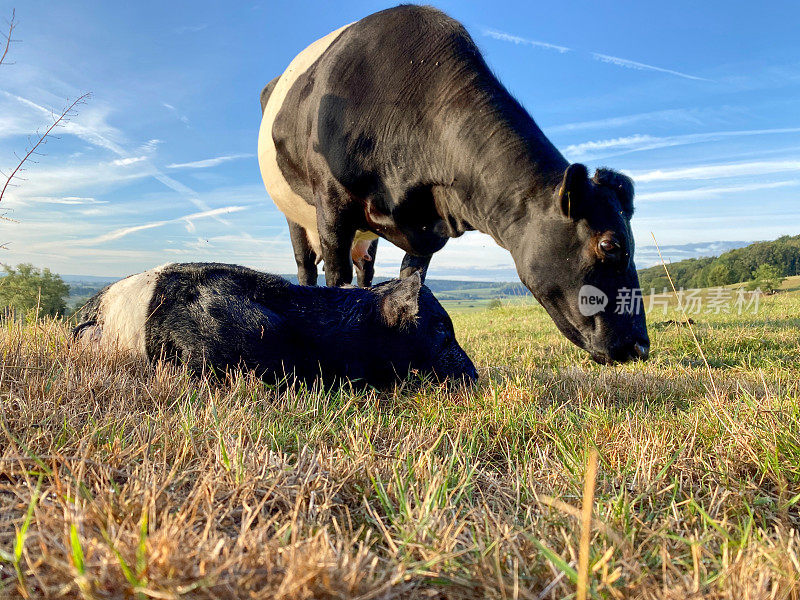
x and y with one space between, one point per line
394 127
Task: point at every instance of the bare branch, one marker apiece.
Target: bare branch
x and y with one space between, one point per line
58 120
11 25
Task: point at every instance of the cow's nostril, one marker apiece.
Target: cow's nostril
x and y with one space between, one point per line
641 351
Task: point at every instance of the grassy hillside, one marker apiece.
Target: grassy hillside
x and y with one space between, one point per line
117 479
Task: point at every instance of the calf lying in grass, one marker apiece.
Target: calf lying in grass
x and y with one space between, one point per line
225 316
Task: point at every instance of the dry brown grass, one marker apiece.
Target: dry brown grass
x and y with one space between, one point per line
143 482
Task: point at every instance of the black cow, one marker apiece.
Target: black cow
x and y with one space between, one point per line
394 126
226 316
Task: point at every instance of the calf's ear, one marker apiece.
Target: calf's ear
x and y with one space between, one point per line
573 190
400 306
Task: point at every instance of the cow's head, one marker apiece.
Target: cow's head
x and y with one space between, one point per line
577 259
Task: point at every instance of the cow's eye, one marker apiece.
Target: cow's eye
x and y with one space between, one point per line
608 246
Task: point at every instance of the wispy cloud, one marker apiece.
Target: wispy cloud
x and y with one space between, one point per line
639 66
606 58
711 193
187 219
150 146
638 142
74 180
717 171
122 162
92 126
692 116
181 117
73 200
515 39
94 129
62 200
191 28
209 162
583 148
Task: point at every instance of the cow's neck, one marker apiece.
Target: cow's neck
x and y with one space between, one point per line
510 177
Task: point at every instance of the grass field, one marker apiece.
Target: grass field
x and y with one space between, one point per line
121 480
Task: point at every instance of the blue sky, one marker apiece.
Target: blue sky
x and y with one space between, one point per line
698 101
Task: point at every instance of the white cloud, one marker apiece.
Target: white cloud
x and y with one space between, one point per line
677 115
181 117
606 58
708 193
88 122
717 171
124 231
150 146
191 28
632 64
92 126
639 143
73 200
68 181
123 162
209 162
615 143
515 39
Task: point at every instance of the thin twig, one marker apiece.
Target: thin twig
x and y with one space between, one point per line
42 138
11 26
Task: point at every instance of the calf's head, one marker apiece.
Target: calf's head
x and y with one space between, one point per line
422 330
577 259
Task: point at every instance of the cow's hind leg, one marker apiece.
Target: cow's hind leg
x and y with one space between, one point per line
304 254
412 264
365 262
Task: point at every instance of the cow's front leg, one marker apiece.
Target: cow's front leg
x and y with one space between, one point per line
336 232
412 264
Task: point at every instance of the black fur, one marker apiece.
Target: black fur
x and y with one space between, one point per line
88 314
401 128
225 316
267 92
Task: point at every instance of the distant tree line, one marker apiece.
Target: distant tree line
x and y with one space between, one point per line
764 263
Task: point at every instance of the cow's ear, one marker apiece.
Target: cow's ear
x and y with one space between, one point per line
573 190
400 305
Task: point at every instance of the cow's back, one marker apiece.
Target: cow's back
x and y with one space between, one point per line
363 104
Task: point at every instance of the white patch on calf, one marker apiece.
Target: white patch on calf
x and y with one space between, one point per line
289 203
124 310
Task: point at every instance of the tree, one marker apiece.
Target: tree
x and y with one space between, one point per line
767 278
26 287
718 275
